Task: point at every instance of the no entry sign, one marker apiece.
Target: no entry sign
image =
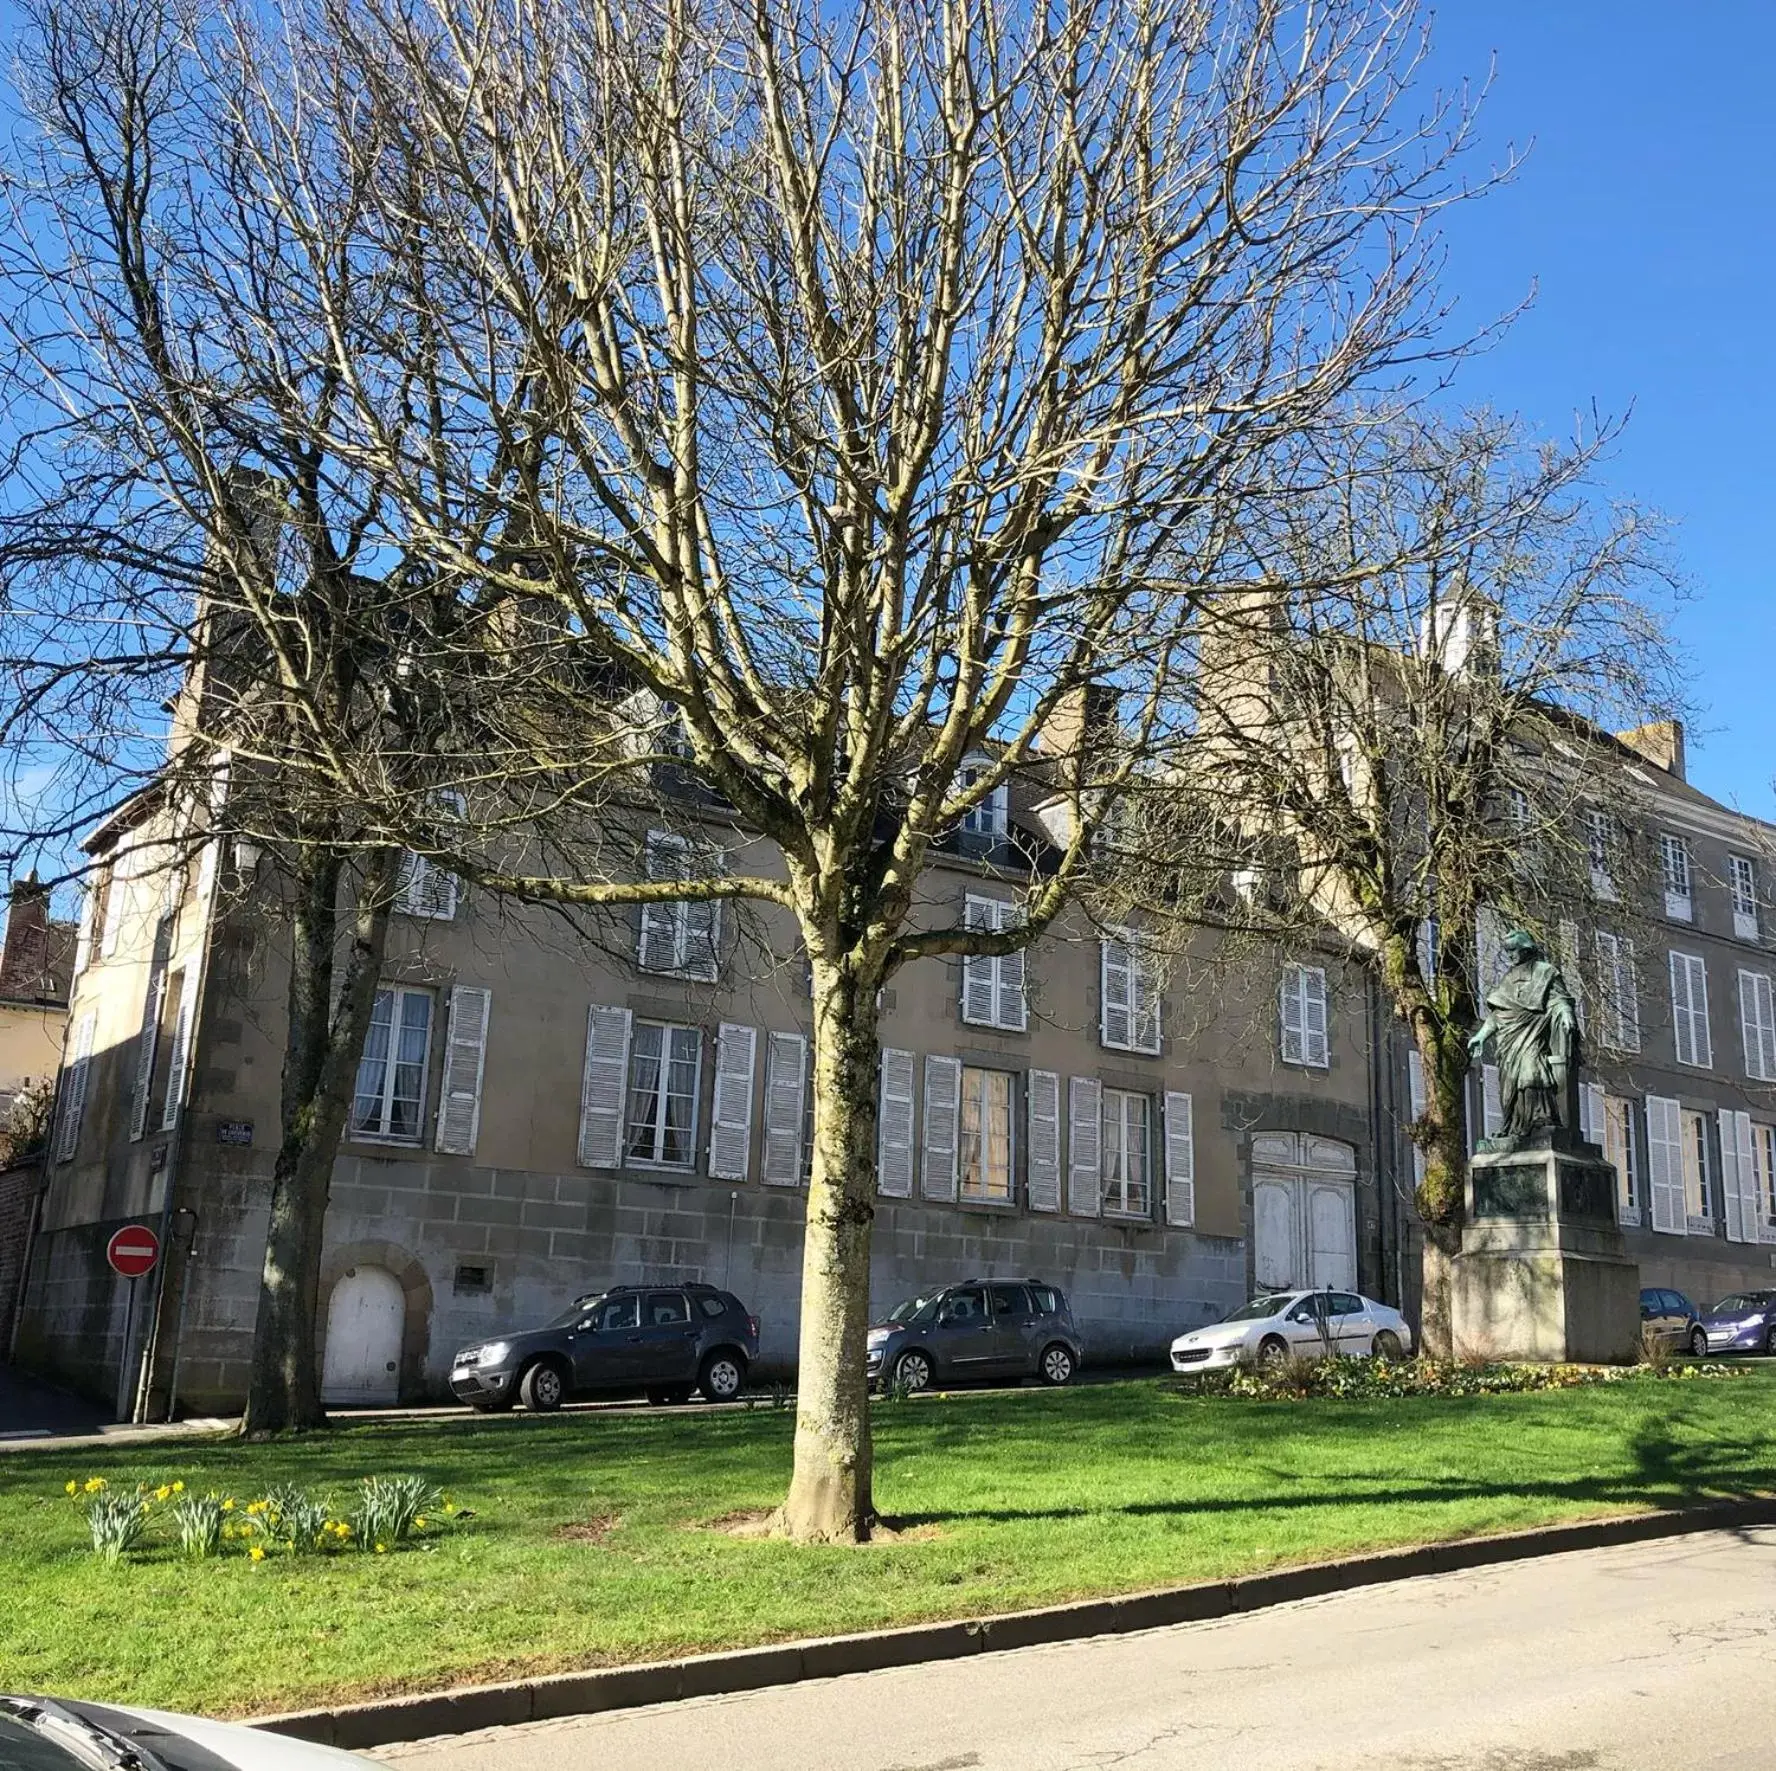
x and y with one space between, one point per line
133 1250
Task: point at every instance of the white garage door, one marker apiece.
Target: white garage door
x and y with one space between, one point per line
1303 1212
362 1362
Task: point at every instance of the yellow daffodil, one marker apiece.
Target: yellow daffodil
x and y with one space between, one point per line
162 1492
178 1488
73 1487
420 1523
228 1506
257 1554
382 1549
95 1484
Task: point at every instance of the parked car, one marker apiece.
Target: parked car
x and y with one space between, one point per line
1670 1319
1309 1324
984 1328
665 1340
50 1734
1742 1323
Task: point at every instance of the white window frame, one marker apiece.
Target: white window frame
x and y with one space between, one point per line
991 817
1619 1147
671 926
1674 864
1757 1025
975 1078
1304 988
1693 1140
1742 872
1121 950
993 983
662 1095
1763 1167
1691 1039
1618 992
398 995
1600 843
1116 1110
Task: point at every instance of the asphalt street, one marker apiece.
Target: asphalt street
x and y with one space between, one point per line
1656 1657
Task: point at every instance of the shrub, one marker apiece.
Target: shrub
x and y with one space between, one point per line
388 1509
198 1519
116 1517
1346 1378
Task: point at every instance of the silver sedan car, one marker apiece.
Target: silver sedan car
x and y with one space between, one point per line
1307 1324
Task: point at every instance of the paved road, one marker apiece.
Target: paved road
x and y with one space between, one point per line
1658 1657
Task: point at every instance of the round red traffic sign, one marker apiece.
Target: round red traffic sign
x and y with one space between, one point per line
133 1250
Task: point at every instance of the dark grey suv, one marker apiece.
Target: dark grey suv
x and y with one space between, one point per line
984 1329
665 1340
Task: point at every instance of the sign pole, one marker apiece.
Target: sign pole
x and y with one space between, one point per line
131 1253
123 1362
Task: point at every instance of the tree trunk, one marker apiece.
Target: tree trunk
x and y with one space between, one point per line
320 1066
1442 1137
829 1494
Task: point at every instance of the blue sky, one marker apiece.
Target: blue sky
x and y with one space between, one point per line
1645 219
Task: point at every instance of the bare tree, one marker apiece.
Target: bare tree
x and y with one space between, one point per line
1410 714
840 411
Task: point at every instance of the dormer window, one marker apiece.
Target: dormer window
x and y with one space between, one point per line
988 817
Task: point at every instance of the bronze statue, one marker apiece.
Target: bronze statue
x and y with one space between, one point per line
1532 1029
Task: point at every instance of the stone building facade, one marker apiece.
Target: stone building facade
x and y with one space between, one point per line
540 1112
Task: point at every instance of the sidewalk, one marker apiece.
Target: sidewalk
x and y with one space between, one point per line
36 1416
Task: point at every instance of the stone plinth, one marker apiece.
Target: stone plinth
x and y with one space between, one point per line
1544 1272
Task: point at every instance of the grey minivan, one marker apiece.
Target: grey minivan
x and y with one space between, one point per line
986 1328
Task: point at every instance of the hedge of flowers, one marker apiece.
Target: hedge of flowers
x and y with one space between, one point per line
1298 1379
383 1513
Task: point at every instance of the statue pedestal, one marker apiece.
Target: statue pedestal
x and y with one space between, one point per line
1543 1272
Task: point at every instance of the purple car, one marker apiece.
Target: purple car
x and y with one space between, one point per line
1742 1323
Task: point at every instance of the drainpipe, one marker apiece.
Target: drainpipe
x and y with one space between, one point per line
1380 1074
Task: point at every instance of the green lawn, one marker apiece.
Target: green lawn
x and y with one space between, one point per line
1002 1501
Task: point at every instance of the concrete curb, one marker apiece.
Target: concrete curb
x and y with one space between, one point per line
473 1707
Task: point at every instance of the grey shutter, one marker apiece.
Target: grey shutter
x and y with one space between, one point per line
1143 1001
148 1039
979 979
181 1047
1757 1023
662 947
1043 1088
1292 1015
603 1086
1569 963
1689 1010
1180 1149
1750 1204
1591 1111
1314 1020
943 1109
701 922
1085 1143
1115 995
465 1057
785 1108
1492 1102
1010 1008
730 1114
1619 991
1415 1099
894 1125
72 1106
89 902
1732 1189
1665 1164
116 894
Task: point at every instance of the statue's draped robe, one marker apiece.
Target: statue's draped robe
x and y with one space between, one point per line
1535 1043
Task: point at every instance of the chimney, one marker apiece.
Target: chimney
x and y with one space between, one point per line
1080 721
1461 631
25 958
1662 744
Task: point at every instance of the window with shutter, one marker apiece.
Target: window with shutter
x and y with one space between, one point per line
1084 1141
1600 840
465 1059
786 1062
1757 1021
943 1091
603 1086
682 936
1763 1161
423 888
1689 1010
1115 995
1697 1191
1180 1148
389 1102
1665 1165
1043 1089
1591 1112
179 1052
992 984
1304 1018
985 1158
71 1108
1126 1154
894 1125
730 1112
665 1085
1618 993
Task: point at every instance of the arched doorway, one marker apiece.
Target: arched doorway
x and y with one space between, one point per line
1304 1211
362 1359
